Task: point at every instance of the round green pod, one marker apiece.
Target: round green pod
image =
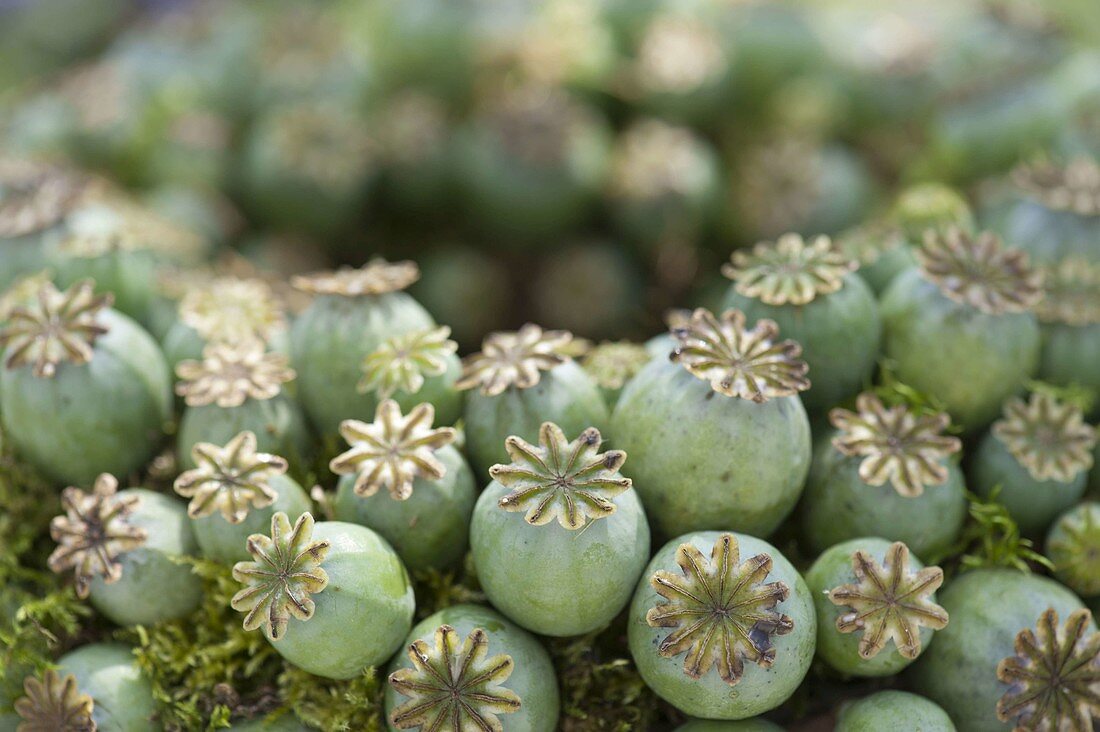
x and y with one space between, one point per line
1070 354
428 530
122 696
1073 545
838 505
1032 503
702 460
438 390
533 678
839 333
841 650
1050 235
222 541
879 273
366 580
103 416
894 710
553 580
744 725
153 586
709 697
278 423
129 275
970 360
988 608
330 339
181 342
565 395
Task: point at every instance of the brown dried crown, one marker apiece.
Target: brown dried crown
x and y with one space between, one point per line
977 270
750 363
230 374
376 277
896 444
60 326
1073 186
35 195
516 359
789 271
722 611
1048 437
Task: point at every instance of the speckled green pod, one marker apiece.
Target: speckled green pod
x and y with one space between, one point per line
745 725
839 505
429 529
1034 504
278 423
1073 544
226 542
759 688
1070 354
703 460
971 361
122 696
895 710
154 586
841 650
553 580
366 580
839 333
565 395
328 343
103 416
988 608
532 679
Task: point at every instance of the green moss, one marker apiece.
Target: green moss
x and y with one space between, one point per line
334 706
205 668
991 538
893 392
38 617
436 589
600 686
1077 395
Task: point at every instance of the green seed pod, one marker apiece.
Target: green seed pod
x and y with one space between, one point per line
886 472
810 291
524 379
570 563
100 684
895 710
614 364
1057 215
225 310
1069 316
238 388
308 165
531 162
728 637
664 182
329 576
1039 454
118 243
430 490
881 251
34 199
85 389
960 327
234 492
864 602
353 313
989 608
124 548
1073 544
718 437
925 206
523 673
